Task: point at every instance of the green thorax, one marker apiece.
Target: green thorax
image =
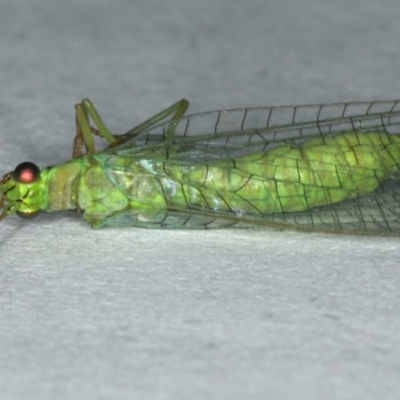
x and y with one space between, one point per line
82 184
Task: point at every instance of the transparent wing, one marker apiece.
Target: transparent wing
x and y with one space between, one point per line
221 134
225 135
172 219
374 214
377 213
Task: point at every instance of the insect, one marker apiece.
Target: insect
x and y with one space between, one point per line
326 167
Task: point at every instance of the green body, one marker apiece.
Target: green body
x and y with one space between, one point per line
326 167
285 179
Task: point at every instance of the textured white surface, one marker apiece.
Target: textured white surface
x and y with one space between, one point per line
136 314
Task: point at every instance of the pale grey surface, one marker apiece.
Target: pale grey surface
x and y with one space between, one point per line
134 314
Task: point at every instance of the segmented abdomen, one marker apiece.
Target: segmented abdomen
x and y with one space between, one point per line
288 178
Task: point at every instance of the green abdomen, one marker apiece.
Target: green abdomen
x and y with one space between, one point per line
289 177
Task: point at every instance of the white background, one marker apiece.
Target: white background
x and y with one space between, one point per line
139 314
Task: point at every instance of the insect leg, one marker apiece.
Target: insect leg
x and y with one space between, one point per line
178 110
84 132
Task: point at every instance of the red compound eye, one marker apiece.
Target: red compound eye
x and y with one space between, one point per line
26 172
